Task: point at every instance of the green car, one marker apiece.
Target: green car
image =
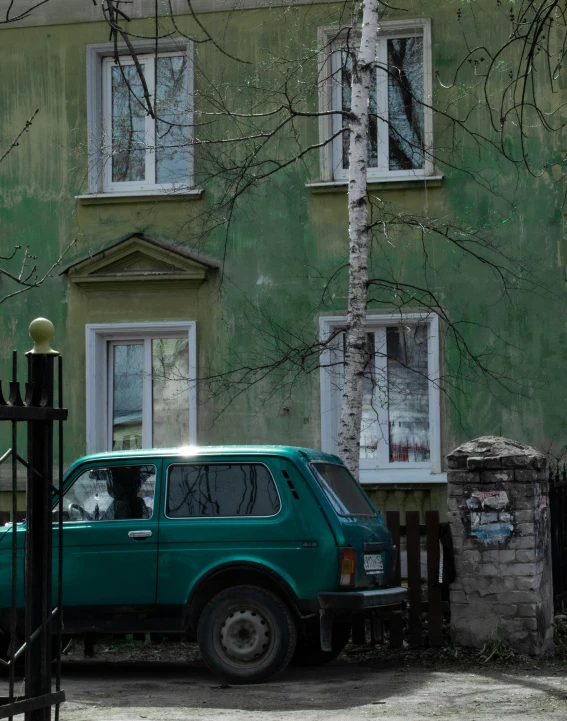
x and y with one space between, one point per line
263 553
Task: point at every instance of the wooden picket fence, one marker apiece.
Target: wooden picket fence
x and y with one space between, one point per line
429 596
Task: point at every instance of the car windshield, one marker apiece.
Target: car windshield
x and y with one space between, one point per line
344 494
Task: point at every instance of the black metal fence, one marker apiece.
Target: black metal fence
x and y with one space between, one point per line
30 625
558 513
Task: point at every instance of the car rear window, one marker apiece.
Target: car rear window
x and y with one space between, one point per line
344 493
221 490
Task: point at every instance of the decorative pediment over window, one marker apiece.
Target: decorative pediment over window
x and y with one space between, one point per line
140 259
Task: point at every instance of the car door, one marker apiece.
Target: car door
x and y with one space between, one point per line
110 534
222 510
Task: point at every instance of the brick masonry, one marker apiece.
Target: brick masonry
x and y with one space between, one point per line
499 516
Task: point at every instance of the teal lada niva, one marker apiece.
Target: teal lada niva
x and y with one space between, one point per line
264 554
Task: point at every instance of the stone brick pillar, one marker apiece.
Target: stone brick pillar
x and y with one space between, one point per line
498 492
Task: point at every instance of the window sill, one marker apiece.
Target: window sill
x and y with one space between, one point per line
400 476
139 197
399 183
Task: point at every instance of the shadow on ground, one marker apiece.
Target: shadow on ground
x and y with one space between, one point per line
336 687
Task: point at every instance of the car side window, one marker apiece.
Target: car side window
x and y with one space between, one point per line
111 494
197 490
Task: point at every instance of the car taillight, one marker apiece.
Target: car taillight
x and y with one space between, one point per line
348 566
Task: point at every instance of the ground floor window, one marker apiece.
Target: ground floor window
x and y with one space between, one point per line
140 386
400 433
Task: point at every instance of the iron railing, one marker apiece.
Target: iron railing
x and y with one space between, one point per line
28 619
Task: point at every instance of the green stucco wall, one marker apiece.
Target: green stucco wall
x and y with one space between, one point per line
282 240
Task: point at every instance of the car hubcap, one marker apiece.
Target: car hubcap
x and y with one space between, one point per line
246 636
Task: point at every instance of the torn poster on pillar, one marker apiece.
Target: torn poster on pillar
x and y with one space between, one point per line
491 520
493 500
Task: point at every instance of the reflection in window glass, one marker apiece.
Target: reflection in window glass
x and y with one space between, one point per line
214 490
170 392
405 98
408 393
395 400
346 91
111 494
127 395
172 131
344 493
128 125
373 398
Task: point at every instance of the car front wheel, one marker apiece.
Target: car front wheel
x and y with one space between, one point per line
246 634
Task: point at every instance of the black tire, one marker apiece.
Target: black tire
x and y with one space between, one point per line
246 634
308 650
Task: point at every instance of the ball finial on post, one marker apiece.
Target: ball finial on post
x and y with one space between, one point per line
42 330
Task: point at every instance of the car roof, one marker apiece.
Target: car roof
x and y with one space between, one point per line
196 452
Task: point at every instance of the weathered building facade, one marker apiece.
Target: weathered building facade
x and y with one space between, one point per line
166 315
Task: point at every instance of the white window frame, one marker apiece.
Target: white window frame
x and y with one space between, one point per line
331 158
380 470
98 389
100 58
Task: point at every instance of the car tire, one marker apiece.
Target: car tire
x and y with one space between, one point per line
308 650
246 634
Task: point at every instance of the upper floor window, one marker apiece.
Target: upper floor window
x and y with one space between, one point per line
399 108
400 433
131 151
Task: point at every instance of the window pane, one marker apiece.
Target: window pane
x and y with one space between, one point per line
343 492
170 392
408 393
127 382
111 494
405 111
172 131
128 125
235 489
346 94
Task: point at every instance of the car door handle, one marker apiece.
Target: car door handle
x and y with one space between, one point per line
139 534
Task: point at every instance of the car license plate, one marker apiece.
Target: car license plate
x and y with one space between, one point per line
373 563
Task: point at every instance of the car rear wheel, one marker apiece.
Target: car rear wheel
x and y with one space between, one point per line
308 650
246 634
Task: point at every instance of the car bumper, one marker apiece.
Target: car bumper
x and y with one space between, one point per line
362 600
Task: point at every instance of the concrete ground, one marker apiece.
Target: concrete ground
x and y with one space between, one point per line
173 692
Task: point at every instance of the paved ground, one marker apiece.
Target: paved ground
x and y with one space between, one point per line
168 692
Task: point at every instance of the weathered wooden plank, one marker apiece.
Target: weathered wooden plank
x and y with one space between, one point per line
396 621
434 605
393 523
414 578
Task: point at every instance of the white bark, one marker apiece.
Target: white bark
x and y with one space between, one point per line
355 346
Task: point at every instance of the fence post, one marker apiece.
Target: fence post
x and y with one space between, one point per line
38 578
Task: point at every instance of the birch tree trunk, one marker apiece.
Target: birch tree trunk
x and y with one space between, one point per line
355 346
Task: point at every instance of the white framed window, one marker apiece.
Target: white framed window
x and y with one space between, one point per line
140 385
400 434
130 152
400 102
